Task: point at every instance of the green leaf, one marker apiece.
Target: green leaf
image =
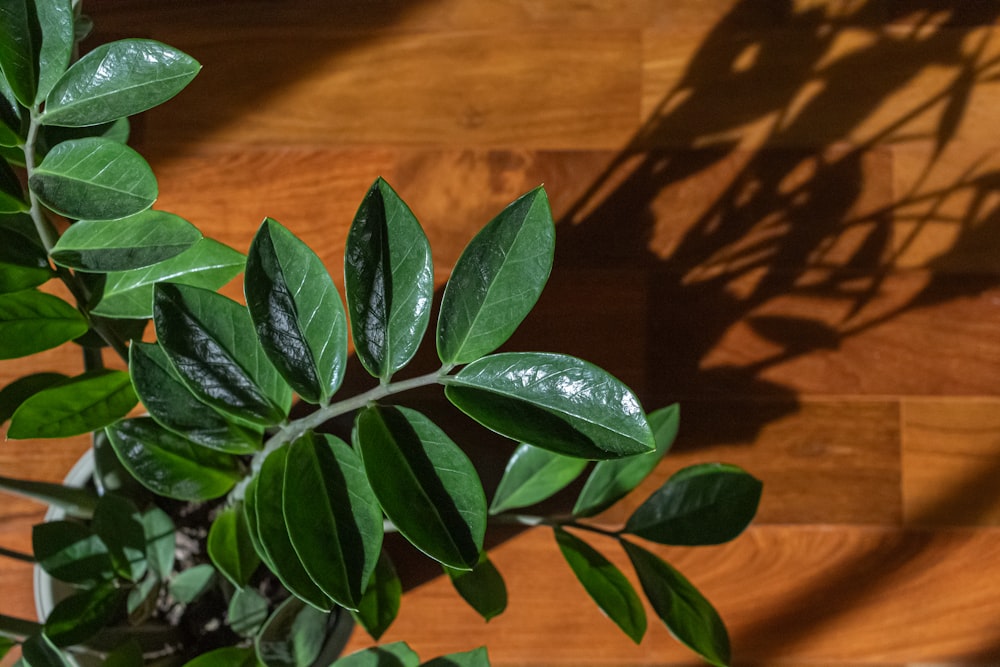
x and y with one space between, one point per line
230 548
380 603
424 482
39 651
79 617
708 503
121 245
141 601
119 525
482 587
396 654
161 540
32 321
94 179
293 636
532 475
297 312
389 279
169 465
610 481
174 407
192 582
119 79
332 516
13 116
553 401
118 130
129 294
128 654
23 261
605 583
11 195
204 334
70 552
266 505
75 501
18 391
6 644
78 405
477 657
687 614
497 280
19 45
227 656
247 612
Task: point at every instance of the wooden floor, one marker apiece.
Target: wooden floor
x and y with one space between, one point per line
784 214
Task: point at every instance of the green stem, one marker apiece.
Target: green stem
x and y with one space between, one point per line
17 555
553 521
17 628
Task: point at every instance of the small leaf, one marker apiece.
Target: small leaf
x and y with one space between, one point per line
129 294
39 651
70 552
532 475
161 540
32 321
192 582
227 656
703 504
169 465
477 657
122 245
82 404
116 80
293 636
119 525
230 548
297 312
380 603
396 654
497 280
553 401
332 516
389 279
79 617
686 613
482 587
204 334
94 179
610 481
247 611
605 584
424 482
24 388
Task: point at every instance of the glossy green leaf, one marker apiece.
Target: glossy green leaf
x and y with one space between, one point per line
70 552
332 516
605 584
292 636
279 554
686 613
23 262
227 656
477 657
389 279
79 617
230 547
424 482
20 43
482 587
32 321
396 654
247 612
94 179
13 116
82 404
129 294
161 540
39 651
192 582
532 475
610 481
24 388
169 465
174 407
708 503
553 401
55 19
118 130
11 195
380 603
297 312
118 79
119 525
121 245
204 334
497 280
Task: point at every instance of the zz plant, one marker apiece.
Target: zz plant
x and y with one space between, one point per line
294 516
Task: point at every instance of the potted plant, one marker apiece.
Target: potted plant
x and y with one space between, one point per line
218 527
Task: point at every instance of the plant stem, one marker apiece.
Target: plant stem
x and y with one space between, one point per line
553 521
17 628
17 555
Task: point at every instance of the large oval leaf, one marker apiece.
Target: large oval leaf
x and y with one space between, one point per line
708 503
36 39
610 481
23 388
532 475
121 245
685 611
204 334
332 516
425 483
71 552
482 587
230 547
605 584
380 603
553 401
23 262
170 465
32 321
497 280
82 404
297 311
118 79
389 278
94 179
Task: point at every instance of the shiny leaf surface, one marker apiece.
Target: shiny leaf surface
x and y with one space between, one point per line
230 547
79 405
497 280
532 475
32 321
553 401
36 39
80 616
21 389
71 552
380 603
482 587
292 636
